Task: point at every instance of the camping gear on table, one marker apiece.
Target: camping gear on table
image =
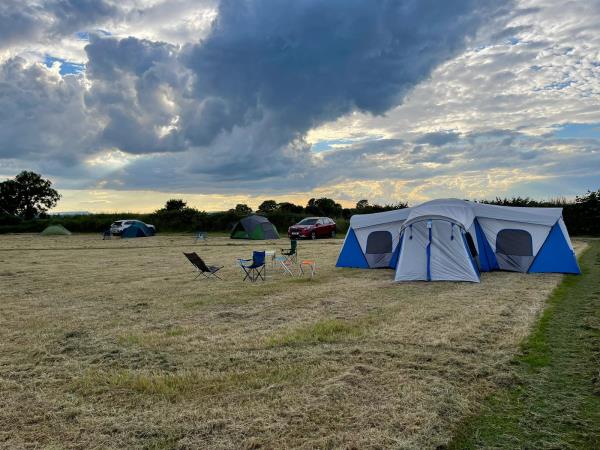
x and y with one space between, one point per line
254 227
257 269
270 256
455 240
202 267
201 236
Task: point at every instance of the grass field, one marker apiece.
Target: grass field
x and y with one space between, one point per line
111 344
555 401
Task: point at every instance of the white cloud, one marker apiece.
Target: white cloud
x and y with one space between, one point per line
160 111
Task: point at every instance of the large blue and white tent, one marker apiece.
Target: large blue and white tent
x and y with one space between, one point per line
452 239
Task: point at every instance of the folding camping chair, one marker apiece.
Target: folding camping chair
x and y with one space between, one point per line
201 266
257 268
310 264
285 264
291 254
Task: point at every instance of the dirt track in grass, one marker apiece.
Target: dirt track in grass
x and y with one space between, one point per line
111 344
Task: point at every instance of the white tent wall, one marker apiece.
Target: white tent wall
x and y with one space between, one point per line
366 220
450 259
518 260
539 216
412 263
563 228
378 259
491 228
460 211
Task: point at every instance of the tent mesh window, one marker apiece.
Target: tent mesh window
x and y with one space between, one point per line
379 242
471 244
514 242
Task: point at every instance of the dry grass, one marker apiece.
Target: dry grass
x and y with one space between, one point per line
110 344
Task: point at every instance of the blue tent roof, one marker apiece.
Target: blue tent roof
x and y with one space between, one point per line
351 254
555 255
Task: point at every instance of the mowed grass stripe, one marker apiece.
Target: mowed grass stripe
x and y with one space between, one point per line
555 402
126 350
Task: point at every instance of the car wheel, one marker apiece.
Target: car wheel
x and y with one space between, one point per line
313 235
333 234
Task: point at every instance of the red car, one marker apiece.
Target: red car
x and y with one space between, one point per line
312 227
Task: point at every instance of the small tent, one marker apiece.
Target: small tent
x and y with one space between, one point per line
254 227
453 239
55 230
138 229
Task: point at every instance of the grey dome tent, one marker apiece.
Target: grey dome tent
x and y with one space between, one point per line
55 230
254 227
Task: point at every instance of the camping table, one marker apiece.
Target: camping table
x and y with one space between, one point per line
310 263
270 255
284 262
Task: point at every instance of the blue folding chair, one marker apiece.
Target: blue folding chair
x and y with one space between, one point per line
257 269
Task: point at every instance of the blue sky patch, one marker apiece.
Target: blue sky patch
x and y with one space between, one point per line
82 35
578 131
66 67
323 146
85 35
557 85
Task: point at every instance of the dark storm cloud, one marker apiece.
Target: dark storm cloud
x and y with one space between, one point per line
313 61
130 79
236 106
42 115
438 138
241 101
22 21
17 21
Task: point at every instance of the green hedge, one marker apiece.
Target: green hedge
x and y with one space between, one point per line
582 217
186 221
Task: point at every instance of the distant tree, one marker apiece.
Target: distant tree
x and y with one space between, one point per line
362 204
267 206
513 201
363 207
590 197
290 208
324 207
242 209
392 206
27 195
175 204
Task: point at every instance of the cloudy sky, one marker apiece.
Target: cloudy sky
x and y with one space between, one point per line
124 104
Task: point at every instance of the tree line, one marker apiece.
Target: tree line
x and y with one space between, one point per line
25 200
